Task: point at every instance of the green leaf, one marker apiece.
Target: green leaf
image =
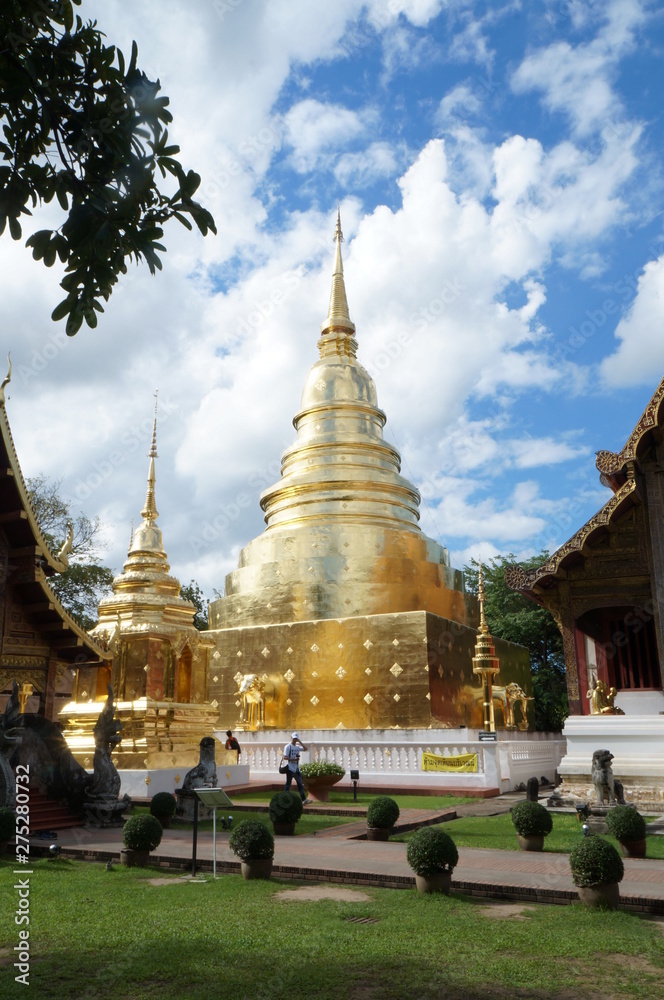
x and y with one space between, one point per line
63 308
49 255
67 14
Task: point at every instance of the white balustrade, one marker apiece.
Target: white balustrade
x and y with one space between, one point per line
398 760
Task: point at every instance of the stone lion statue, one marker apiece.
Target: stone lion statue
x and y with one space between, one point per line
602 776
205 772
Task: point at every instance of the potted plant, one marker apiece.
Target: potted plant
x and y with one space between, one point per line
432 855
163 806
140 834
285 810
532 823
597 870
382 814
7 827
319 777
253 844
629 828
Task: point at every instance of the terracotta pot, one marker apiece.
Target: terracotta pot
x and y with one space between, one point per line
532 842
633 848
606 894
379 832
318 788
283 829
434 883
257 869
134 859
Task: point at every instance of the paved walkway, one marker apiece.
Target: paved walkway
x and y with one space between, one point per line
336 855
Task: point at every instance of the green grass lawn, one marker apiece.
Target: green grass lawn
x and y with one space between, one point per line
498 832
99 934
341 797
305 825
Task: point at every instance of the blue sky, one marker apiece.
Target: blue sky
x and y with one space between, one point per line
499 172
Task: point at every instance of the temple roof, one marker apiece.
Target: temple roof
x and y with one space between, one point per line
613 466
617 471
527 581
18 516
35 561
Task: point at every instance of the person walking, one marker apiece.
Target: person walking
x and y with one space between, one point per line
292 756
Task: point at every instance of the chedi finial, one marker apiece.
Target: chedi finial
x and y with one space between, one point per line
338 329
150 512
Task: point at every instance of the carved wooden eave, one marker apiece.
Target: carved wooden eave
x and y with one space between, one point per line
68 641
615 468
530 582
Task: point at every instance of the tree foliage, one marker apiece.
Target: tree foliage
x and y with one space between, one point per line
513 617
86 581
84 127
192 592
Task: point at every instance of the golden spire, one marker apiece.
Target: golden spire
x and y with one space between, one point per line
150 512
485 652
485 661
338 329
481 595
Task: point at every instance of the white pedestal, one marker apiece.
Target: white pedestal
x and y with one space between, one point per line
637 745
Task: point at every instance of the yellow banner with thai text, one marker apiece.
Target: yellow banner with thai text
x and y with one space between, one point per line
463 762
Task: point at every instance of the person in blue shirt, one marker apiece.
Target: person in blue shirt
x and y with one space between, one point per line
292 756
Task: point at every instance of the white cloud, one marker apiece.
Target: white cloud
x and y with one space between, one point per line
639 358
533 452
459 102
313 129
578 80
358 170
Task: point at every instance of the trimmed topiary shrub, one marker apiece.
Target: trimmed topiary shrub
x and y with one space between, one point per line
142 833
626 824
595 861
382 813
7 823
320 768
285 807
431 851
163 806
251 841
531 819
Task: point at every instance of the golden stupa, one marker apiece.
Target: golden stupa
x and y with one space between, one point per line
160 667
343 613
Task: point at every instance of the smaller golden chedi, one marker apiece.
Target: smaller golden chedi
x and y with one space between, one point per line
160 666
